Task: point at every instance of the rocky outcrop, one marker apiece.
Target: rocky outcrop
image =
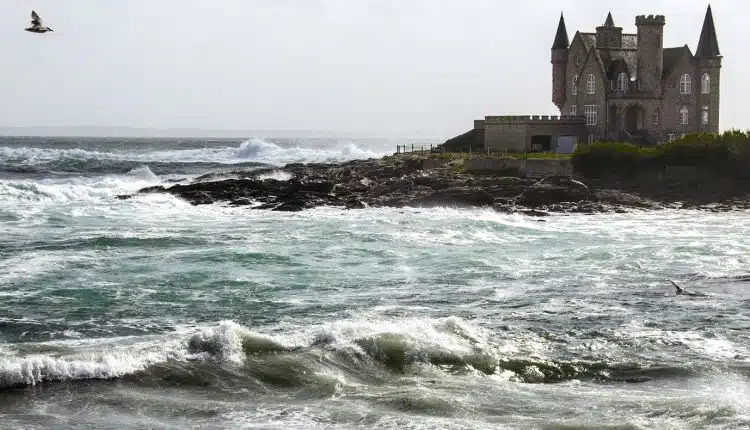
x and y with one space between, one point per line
400 182
471 140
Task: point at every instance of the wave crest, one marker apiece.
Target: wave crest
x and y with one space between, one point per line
357 348
267 152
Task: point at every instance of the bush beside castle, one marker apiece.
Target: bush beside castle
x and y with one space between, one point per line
726 155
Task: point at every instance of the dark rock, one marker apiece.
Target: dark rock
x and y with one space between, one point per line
533 212
458 196
155 189
354 203
544 194
241 202
399 182
289 207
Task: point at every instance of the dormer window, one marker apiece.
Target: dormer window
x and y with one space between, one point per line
686 84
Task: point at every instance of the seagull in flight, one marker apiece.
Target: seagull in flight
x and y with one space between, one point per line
36 24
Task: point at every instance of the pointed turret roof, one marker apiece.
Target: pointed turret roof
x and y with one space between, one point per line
609 22
708 44
561 38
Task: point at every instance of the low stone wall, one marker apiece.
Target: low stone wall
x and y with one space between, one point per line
434 163
546 167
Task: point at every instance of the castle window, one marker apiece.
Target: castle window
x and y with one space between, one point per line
622 82
589 111
591 84
706 84
657 114
685 84
574 88
684 115
577 59
573 110
704 115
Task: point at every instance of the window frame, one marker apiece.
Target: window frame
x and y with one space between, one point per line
686 84
706 84
684 115
622 82
591 113
591 84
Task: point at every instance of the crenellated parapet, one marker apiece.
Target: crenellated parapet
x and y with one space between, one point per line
533 119
650 20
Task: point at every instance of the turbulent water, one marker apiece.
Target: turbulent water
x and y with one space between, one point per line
152 313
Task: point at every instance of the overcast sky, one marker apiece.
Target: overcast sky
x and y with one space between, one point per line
386 67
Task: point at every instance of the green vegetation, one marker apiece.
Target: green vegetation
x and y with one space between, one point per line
498 155
725 154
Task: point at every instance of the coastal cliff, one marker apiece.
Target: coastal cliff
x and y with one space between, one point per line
401 181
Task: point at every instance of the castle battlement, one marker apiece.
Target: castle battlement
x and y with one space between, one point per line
533 119
650 20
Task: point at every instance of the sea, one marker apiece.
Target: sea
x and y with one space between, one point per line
154 313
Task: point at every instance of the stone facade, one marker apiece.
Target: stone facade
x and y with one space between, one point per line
611 85
537 133
630 88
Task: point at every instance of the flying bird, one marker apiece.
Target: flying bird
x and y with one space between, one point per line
683 292
36 24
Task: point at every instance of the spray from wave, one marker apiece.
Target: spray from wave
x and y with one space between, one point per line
267 152
44 160
78 189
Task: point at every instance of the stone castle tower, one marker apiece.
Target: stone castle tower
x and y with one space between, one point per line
630 88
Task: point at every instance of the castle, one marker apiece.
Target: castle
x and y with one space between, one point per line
611 85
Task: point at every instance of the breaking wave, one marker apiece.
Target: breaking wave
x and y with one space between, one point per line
79 189
267 152
354 349
41 162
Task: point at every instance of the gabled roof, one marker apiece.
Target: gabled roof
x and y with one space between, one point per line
616 67
708 44
561 37
588 40
672 56
628 58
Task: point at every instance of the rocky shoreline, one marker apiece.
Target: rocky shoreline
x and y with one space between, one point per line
401 182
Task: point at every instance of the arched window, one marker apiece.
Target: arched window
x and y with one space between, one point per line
684 115
591 84
622 82
706 84
685 84
574 87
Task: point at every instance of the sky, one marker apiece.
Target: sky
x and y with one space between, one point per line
394 68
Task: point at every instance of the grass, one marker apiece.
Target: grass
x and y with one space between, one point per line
496 156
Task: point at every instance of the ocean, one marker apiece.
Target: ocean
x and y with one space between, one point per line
153 313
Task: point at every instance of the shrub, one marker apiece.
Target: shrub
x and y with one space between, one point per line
605 158
727 154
